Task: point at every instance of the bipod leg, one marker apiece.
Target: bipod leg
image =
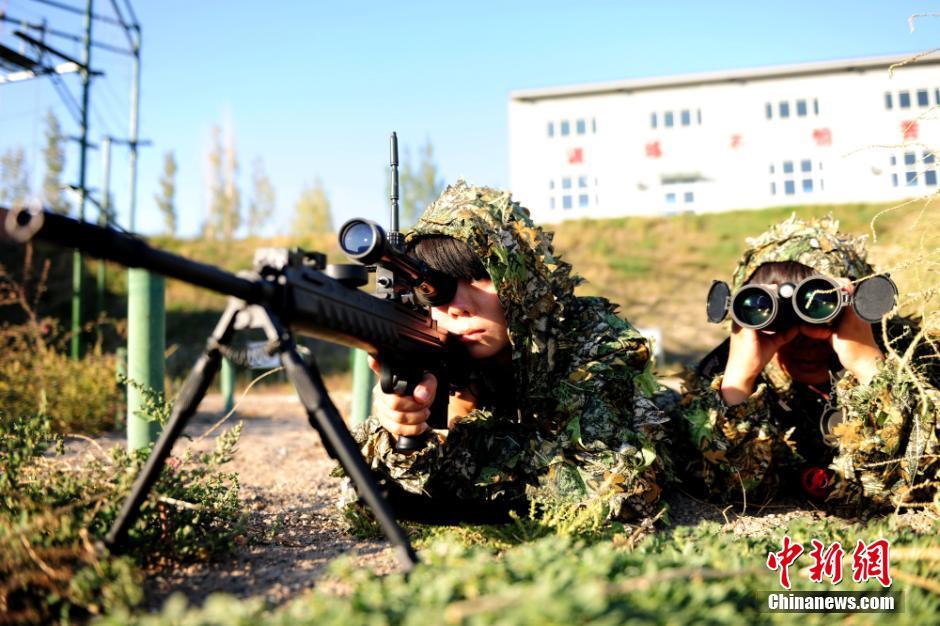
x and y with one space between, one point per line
325 418
191 394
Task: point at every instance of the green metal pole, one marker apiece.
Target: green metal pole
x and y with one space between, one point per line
361 387
227 383
146 343
105 213
76 340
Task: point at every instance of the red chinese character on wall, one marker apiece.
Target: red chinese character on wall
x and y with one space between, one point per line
872 561
736 141
822 136
909 129
575 155
826 563
783 559
653 150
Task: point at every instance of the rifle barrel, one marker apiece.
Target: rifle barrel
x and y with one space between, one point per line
106 243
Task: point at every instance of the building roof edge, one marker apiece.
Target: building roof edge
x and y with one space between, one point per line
724 76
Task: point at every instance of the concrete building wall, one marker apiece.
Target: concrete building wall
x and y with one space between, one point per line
829 137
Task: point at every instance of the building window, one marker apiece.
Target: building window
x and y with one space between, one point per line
894 160
583 200
930 178
910 158
566 202
904 99
551 129
815 106
566 183
565 128
551 183
773 189
910 178
667 119
894 180
685 117
593 126
770 111
888 101
582 181
653 120
928 157
688 197
580 127
698 116
923 99
788 167
801 108
807 185
772 168
551 202
806 165
789 187
670 198
784 109
936 96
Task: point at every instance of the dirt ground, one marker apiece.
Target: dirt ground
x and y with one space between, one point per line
294 527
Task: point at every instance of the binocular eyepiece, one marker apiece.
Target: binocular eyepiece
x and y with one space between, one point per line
365 241
817 299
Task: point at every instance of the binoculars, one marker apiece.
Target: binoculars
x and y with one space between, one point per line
817 299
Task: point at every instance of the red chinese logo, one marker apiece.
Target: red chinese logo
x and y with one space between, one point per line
653 150
736 141
822 136
869 562
872 561
826 564
909 129
575 155
784 559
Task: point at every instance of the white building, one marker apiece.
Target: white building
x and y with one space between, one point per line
830 132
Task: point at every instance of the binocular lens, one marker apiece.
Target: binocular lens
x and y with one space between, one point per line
357 238
754 308
818 300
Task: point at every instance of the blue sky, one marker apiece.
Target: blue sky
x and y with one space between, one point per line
314 88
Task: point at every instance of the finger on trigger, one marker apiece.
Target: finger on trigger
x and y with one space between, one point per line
373 364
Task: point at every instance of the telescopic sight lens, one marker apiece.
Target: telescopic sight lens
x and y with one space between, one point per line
358 238
817 300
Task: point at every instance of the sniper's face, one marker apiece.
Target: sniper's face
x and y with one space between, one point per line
476 317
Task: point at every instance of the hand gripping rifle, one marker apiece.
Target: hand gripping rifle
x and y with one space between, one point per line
289 291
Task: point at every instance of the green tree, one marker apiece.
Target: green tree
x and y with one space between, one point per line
224 197
419 183
263 199
166 197
14 177
53 155
312 210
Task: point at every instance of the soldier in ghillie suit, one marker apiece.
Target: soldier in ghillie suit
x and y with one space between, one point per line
557 406
846 413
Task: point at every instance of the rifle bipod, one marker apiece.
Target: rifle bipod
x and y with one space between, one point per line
321 413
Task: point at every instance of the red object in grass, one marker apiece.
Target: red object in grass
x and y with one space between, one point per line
816 482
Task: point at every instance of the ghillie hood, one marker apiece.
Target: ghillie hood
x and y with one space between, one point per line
816 243
535 287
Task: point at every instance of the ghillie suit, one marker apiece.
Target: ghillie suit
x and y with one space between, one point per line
883 453
575 427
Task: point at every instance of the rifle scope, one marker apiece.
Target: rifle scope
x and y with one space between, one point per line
365 241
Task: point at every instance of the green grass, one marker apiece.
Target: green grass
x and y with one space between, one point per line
525 574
